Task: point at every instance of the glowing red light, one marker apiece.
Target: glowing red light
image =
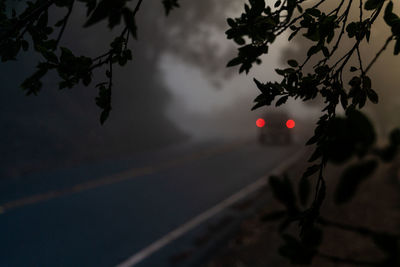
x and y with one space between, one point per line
290 124
260 123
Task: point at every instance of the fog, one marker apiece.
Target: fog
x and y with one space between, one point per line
176 90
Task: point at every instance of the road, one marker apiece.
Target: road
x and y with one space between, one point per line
103 214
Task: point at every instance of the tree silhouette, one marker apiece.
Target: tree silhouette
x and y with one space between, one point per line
33 22
323 73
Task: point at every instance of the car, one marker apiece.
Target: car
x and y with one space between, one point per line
275 128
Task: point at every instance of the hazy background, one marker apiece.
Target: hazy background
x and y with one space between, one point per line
176 90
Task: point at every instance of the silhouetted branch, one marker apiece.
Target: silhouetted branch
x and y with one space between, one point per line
65 21
380 52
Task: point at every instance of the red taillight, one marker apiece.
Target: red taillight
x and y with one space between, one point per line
260 123
290 124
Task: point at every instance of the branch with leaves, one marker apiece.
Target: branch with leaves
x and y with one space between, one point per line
259 26
33 23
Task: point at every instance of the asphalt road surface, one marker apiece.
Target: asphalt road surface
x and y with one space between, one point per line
104 214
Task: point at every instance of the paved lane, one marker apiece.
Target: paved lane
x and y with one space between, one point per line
101 215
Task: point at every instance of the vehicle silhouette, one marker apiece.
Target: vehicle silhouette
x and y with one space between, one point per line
275 129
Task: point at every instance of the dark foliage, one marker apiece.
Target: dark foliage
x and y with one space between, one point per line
337 139
31 29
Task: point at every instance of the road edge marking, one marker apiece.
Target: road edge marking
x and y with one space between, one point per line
199 219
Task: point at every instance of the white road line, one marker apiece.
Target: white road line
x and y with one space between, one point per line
196 221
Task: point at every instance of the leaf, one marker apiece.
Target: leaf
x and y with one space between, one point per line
280 72
352 29
351 178
258 105
299 8
373 4
361 98
343 100
373 96
231 22
389 16
325 51
292 35
259 84
103 100
114 18
234 62
104 116
311 170
321 194
277 3
293 63
313 11
239 40
316 155
395 137
59 23
283 191
169 5
258 6
100 13
313 50
330 36
281 101
129 19
397 47
313 140
366 82
33 83
43 20
90 5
